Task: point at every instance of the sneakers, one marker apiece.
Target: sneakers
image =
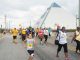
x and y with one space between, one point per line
32 55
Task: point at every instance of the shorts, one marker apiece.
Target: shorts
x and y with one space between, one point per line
14 37
30 52
23 37
64 46
46 37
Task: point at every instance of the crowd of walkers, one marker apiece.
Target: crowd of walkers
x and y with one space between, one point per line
61 41
28 39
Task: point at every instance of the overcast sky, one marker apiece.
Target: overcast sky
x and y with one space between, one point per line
24 11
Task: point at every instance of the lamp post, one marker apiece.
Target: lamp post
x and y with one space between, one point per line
9 24
1 29
5 22
76 20
79 12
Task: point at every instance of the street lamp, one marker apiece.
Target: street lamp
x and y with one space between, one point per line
1 29
79 12
76 20
5 22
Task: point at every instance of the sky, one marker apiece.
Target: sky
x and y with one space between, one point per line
28 12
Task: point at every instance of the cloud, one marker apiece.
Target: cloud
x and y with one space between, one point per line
24 17
18 13
34 12
70 5
21 11
37 11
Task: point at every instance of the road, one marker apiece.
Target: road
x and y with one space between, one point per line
49 52
10 51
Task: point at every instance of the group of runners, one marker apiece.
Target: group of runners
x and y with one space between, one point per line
28 39
43 34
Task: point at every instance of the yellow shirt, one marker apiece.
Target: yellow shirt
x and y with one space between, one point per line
23 31
37 30
15 32
77 36
30 44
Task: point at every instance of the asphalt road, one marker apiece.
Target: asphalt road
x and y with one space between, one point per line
49 52
10 51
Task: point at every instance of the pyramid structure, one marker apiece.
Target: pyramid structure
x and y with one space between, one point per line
55 5
58 15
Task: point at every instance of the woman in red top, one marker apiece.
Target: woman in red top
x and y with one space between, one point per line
40 35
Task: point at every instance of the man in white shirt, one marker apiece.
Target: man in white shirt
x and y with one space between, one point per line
46 35
62 43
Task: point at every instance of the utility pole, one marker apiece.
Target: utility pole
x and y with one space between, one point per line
1 29
76 20
9 24
79 12
5 22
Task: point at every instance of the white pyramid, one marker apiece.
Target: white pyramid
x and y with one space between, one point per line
58 15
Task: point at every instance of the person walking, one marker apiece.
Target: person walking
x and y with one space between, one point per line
28 31
15 33
41 35
23 35
37 30
62 43
76 38
30 42
33 33
49 31
46 35
20 32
